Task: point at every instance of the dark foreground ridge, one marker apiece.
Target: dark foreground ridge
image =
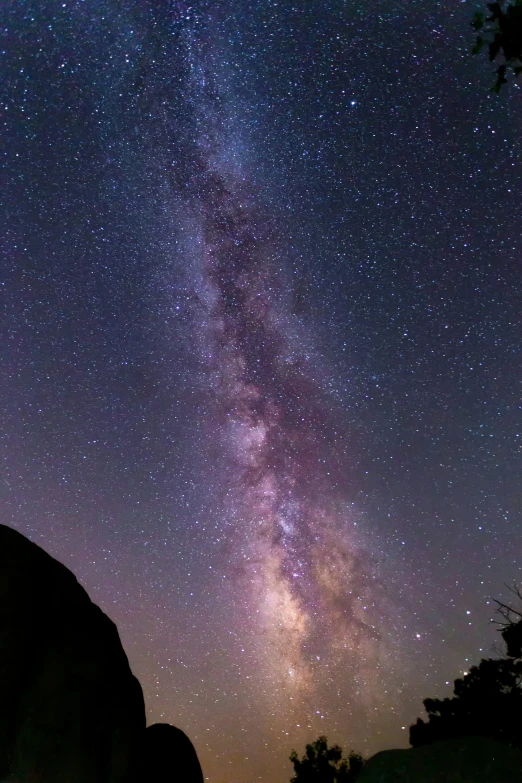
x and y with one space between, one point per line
70 707
463 760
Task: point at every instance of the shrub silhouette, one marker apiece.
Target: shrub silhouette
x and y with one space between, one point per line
487 701
321 764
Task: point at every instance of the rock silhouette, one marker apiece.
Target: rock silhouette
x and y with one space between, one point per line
169 756
71 711
462 760
70 707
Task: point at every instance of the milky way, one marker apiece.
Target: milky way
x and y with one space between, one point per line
295 544
291 543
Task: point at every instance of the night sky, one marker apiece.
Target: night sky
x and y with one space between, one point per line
260 291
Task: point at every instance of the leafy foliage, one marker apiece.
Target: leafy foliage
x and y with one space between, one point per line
487 701
321 764
501 32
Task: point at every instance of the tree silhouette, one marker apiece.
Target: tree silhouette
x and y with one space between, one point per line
321 764
501 32
511 624
487 701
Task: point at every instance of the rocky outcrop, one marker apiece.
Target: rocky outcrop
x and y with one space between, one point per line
70 707
169 756
463 760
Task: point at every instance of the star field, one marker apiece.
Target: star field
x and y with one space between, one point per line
260 289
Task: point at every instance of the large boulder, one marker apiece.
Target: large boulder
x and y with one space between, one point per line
169 756
463 760
70 707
